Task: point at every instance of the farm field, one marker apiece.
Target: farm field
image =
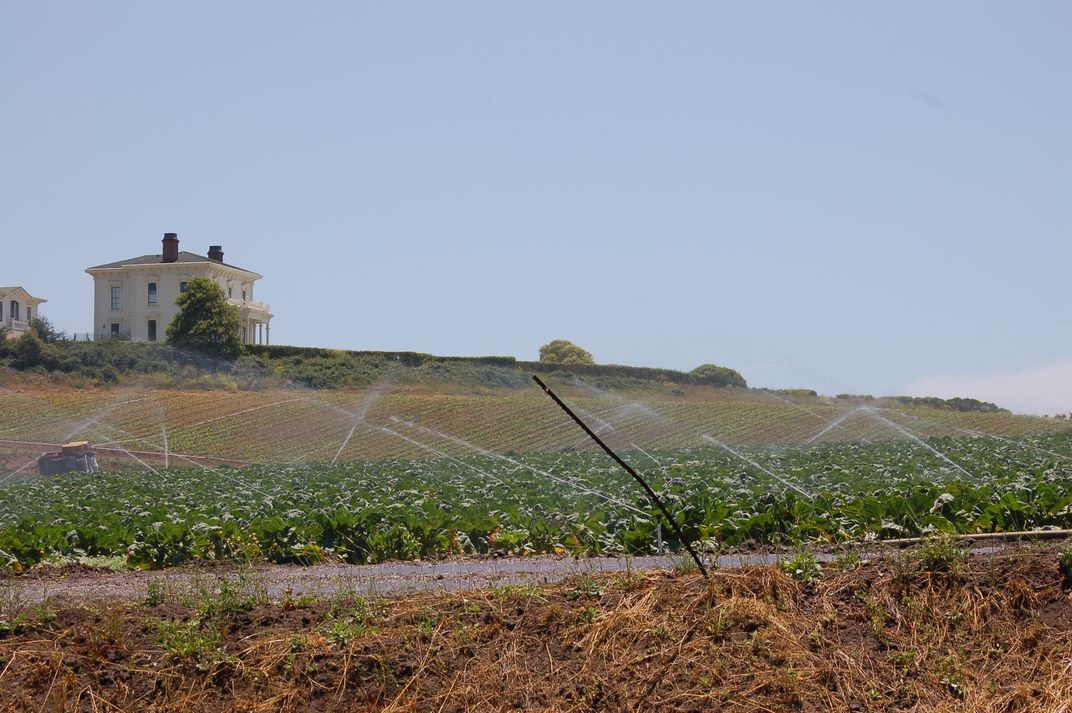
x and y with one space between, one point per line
300 426
455 502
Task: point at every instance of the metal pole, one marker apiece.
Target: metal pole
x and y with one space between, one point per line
628 469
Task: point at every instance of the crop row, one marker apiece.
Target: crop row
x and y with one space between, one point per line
372 510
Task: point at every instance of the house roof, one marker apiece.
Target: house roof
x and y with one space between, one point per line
184 257
16 288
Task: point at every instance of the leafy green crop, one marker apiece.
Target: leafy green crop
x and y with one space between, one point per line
371 511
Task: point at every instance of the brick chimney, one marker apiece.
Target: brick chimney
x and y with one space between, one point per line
215 252
171 247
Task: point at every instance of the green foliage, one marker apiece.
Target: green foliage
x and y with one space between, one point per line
561 351
44 330
349 620
940 554
187 639
803 567
112 361
1064 561
229 595
807 393
154 593
29 351
372 511
953 404
206 322
720 376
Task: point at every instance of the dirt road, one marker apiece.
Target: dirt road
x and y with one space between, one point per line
392 578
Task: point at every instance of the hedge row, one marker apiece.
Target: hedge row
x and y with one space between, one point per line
414 359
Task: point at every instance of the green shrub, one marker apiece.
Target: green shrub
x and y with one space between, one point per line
562 351
719 376
1064 561
940 554
804 567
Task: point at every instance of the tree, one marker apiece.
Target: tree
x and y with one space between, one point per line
206 322
720 375
29 352
44 330
561 351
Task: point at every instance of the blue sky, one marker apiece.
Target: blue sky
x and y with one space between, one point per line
844 196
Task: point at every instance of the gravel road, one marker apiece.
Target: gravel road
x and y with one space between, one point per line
392 578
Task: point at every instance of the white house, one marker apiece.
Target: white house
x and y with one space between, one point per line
17 308
135 298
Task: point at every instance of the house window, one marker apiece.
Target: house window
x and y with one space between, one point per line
115 297
152 330
230 291
183 286
28 317
243 295
115 329
152 293
14 311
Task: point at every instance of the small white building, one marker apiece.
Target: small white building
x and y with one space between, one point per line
17 308
135 298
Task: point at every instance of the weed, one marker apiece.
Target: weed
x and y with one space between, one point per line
803 567
1064 561
345 630
586 588
760 645
902 661
685 565
154 593
847 560
230 596
588 615
940 554
426 627
186 639
13 626
288 602
44 615
718 622
350 620
111 625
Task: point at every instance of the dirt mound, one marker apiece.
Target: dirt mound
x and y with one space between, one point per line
991 633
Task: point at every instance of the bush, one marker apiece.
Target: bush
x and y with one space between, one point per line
561 351
940 554
719 376
29 351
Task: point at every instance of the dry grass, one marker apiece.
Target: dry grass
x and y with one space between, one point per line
995 636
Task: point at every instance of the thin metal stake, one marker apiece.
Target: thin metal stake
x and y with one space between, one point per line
628 469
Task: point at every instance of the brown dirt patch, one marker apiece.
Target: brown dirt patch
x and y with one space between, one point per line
994 636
